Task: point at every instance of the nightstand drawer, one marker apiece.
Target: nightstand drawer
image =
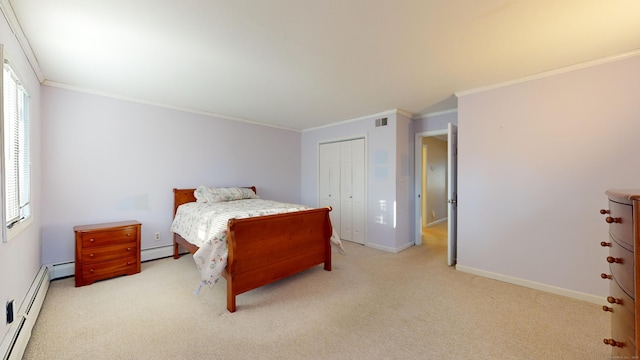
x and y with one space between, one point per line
109 237
106 253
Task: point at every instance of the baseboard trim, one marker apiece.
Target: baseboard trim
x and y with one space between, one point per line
534 285
390 249
66 269
15 341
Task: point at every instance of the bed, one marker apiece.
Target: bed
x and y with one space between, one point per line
252 251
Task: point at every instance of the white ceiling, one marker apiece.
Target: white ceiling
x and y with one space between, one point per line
300 64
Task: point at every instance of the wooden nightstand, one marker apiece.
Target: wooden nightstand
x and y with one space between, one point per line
107 250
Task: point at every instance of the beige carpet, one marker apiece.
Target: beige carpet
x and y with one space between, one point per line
373 305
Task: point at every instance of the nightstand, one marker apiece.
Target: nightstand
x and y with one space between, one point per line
107 250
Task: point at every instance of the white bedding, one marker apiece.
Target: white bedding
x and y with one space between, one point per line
205 225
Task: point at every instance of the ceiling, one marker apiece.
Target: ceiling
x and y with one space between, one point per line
300 64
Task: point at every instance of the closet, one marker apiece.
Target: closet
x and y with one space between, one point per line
342 186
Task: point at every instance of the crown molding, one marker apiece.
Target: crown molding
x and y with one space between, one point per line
16 29
562 70
158 104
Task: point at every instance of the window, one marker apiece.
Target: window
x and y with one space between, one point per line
17 163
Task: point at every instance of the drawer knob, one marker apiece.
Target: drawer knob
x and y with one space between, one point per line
91 271
129 249
611 220
613 300
605 244
611 260
91 255
92 240
604 211
128 234
606 308
613 342
605 276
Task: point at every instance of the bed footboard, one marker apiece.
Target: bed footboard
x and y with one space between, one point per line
268 248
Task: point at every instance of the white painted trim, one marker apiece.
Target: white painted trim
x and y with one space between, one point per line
417 177
390 249
549 73
534 285
432 114
434 223
157 104
66 269
14 25
384 113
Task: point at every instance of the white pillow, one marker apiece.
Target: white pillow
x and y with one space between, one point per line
211 195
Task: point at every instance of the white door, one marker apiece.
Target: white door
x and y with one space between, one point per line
452 207
329 181
358 190
352 179
346 191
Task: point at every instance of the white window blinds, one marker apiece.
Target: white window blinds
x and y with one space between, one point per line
17 186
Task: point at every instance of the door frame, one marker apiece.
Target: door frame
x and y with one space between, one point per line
417 191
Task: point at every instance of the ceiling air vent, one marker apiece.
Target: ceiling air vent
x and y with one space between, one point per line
381 122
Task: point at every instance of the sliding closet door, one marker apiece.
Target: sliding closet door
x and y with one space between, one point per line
329 181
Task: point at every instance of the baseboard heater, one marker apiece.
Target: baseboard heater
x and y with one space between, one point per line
16 340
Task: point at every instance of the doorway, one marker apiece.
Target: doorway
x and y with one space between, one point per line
435 179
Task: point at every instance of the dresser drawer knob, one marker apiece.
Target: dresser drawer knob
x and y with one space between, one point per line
613 342
129 249
91 255
605 276
92 240
605 244
604 211
611 220
606 308
611 260
613 300
128 234
91 271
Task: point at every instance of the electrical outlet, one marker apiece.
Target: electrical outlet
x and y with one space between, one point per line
156 236
9 312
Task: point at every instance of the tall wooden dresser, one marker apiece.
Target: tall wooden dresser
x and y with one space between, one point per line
106 250
623 217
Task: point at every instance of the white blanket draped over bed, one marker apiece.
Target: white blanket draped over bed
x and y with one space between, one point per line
205 225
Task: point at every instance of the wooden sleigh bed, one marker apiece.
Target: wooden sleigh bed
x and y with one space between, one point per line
266 248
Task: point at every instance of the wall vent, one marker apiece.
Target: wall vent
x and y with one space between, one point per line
381 122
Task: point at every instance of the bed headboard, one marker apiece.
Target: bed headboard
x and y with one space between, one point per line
182 196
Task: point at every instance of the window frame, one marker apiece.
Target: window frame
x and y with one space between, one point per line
23 138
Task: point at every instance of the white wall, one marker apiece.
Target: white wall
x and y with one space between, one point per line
107 160
381 172
534 161
20 257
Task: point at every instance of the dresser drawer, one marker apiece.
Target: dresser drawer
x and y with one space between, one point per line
125 234
621 231
108 269
623 316
105 253
621 263
106 250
